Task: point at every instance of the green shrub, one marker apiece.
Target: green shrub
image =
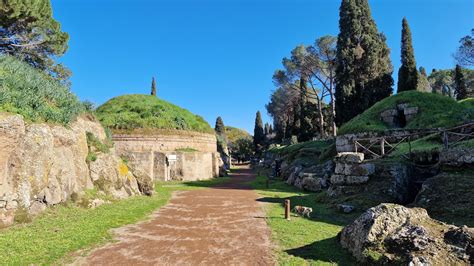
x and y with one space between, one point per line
34 95
137 111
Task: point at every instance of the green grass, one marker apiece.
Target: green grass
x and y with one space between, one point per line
434 111
303 241
138 111
186 150
33 94
64 229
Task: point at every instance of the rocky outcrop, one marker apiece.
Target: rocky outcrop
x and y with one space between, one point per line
463 156
315 178
390 233
349 173
43 165
400 116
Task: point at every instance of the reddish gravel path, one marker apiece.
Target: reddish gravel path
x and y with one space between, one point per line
223 225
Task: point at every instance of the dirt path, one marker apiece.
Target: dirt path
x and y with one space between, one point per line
223 225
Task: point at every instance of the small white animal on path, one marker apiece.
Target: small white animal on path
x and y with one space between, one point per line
303 211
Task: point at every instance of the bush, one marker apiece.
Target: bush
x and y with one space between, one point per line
138 111
34 95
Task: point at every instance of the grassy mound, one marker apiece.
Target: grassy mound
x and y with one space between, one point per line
233 134
33 94
434 111
138 111
310 152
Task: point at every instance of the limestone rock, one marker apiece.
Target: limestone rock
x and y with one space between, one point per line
354 169
457 157
402 235
43 165
350 157
348 180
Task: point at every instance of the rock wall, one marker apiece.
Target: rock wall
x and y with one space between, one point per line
43 165
185 156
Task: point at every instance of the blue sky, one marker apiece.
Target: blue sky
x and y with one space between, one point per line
217 57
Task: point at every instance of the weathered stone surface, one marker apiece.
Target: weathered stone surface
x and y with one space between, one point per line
354 169
348 180
336 191
350 157
402 235
457 156
44 165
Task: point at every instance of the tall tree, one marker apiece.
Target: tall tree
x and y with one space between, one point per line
258 134
220 128
465 54
460 87
423 82
266 129
153 86
407 74
29 32
364 70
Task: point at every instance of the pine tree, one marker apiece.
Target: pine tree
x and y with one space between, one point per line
460 87
364 70
153 86
29 32
270 130
258 136
407 74
220 128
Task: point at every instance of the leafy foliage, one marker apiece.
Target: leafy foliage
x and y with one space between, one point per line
459 83
35 95
408 74
465 53
138 111
153 86
29 32
364 70
434 111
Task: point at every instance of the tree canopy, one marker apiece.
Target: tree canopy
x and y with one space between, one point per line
364 70
29 32
465 53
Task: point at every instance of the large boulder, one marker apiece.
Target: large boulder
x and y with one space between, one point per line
348 180
390 233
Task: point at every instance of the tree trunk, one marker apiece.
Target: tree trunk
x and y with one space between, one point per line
333 107
321 120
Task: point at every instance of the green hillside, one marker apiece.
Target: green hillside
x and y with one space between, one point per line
138 111
35 95
434 111
233 134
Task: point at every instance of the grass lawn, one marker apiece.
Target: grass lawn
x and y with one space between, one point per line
61 230
303 241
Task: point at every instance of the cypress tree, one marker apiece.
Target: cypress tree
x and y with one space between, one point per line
153 86
266 129
220 128
364 70
270 129
460 87
258 136
407 74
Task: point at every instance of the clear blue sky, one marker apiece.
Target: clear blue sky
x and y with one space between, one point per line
217 57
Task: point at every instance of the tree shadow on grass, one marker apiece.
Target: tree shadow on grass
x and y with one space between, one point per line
327 250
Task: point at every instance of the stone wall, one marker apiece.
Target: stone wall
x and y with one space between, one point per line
184 156
43 165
